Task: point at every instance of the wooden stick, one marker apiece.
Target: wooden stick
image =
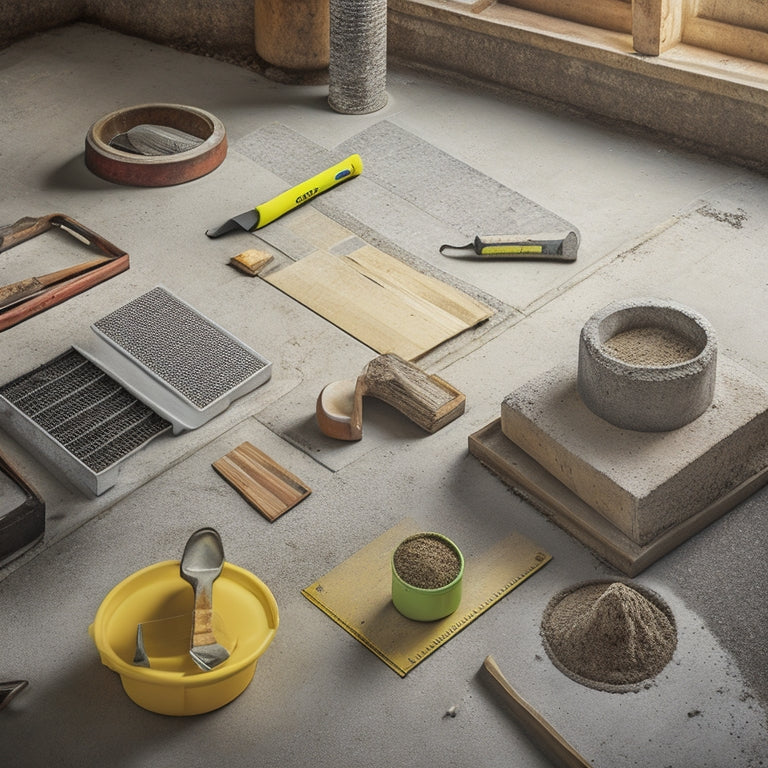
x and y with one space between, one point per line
16 292
24 229
538 730
426 400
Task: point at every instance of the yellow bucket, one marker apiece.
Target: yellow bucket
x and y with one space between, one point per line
157 597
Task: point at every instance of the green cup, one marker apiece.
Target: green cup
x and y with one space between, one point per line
422 604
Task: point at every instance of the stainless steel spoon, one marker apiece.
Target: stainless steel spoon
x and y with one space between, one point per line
201 565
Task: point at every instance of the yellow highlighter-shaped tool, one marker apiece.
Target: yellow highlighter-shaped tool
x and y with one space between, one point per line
554 246
292 198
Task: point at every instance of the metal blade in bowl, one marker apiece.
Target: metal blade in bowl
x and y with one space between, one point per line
201 565
11 689
146 139
140 658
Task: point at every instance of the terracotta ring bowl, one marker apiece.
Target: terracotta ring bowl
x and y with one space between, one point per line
123 167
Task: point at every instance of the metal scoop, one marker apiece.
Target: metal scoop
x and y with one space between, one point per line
201 565
9 690
140 658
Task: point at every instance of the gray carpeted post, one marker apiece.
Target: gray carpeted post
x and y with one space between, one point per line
357 73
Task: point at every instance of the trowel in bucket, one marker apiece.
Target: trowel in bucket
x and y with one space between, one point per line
267 212
201 565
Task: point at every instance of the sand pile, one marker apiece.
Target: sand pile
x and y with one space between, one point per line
426 562
650 347
609 635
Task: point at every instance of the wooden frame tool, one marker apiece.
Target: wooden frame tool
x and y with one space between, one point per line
33 295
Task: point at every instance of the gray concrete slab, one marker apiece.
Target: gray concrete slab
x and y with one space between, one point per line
650 217
643 482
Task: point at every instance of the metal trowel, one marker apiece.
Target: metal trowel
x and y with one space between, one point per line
201 564
267 212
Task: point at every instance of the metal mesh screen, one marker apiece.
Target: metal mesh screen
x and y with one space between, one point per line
84 410
191 355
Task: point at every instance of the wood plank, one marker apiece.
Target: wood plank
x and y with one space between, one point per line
615 15
267 486
380 301
750 14
560 753
727 38
656 25
422 288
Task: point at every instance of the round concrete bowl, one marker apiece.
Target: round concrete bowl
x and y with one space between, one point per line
123 167
647 397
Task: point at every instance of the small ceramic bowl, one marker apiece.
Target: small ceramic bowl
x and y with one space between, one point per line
422 604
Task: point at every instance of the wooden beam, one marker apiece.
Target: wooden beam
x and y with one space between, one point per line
727 39
656 25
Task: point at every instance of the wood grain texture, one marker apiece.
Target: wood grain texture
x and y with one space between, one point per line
428 401
538 730
656 25
24 229
267 486
380 301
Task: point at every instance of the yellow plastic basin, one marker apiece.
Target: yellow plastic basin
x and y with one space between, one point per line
157 597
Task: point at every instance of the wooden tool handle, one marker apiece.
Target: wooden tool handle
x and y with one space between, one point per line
23 229
10 294
540 732
202 627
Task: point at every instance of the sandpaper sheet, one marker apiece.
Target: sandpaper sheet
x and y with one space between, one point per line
357 595
410 191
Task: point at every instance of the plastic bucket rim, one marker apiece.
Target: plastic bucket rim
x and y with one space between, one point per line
115 662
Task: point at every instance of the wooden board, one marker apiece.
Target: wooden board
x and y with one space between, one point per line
261 481
379 300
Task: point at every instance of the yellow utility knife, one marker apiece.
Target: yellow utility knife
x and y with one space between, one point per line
286 201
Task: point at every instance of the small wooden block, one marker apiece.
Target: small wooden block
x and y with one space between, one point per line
261 481
251 261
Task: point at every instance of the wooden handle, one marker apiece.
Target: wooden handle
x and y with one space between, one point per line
23 229
202 629
540 732
15 292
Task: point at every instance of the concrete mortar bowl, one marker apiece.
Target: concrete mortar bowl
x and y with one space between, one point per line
647 398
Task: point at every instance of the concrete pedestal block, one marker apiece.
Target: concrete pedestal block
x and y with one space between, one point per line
643 483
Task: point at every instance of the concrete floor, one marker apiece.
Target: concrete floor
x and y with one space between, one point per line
654 221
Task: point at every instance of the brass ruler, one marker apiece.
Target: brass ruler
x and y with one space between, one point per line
357 595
